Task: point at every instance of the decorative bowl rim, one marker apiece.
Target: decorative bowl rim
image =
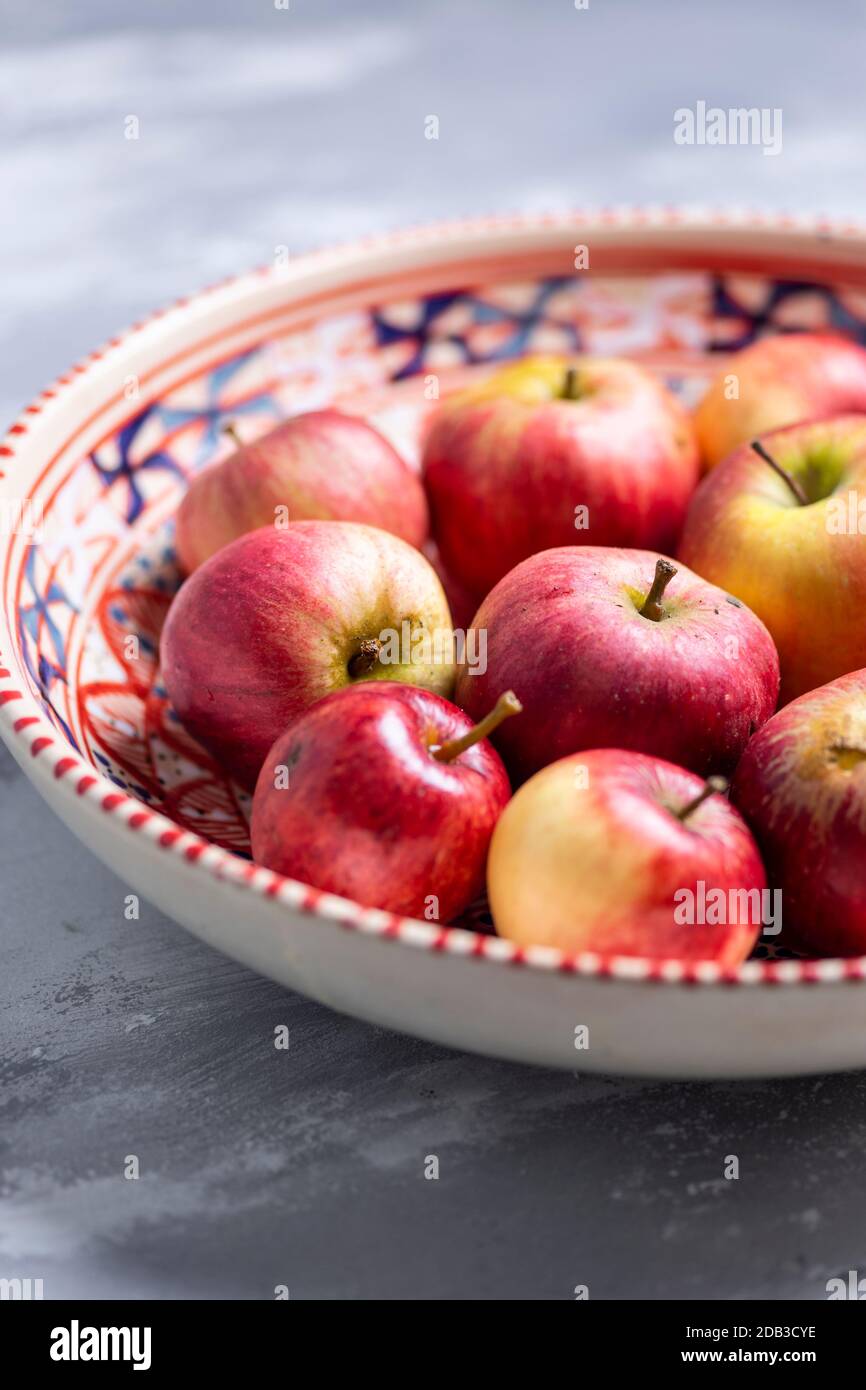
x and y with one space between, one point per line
29 733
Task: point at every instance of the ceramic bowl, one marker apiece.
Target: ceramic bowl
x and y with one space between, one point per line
91 476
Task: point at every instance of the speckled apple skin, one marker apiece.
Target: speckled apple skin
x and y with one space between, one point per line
322 465
269 624
564 632
506 464
806 805
369 813
588 856
780 380
746 531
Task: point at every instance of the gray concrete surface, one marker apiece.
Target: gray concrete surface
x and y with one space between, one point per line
259 1168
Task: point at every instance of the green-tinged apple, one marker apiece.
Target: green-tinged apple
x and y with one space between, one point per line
801 785
619 649
782 524
281 617
386 794
552 451
618 853
319 466
776 382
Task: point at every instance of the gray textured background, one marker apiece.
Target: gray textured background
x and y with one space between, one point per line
262 128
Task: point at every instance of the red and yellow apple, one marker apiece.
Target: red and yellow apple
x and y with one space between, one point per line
615 853
281 617
553 451
776 382
322 465
781 529
801 785
620 649
461 603
385 794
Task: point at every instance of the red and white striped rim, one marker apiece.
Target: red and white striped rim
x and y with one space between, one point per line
25 727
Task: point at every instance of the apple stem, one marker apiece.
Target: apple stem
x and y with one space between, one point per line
712 787
505 706
230 430
792 482
365 657
847 756
570 388
652 606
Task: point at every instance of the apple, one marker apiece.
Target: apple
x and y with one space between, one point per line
624 854
461 603
322 465
385 794
281 617
614 648
779 525
801 785
553 451
776 382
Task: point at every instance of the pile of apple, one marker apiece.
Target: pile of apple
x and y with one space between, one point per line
312 651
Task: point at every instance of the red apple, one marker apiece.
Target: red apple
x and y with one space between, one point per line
781 524
620 649
776 382
461 603
622 854
385 794
801 785
323 465
556 451
280 618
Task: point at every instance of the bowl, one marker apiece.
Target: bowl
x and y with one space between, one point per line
92 472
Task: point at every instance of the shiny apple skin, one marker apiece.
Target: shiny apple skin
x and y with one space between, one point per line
369 813
746 531
506 463
564 632
806 805
781 380
268 625
320 466
588 855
